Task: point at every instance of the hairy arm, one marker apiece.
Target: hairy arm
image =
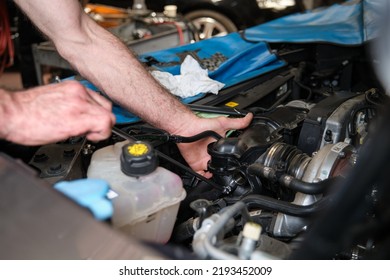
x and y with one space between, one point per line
102 59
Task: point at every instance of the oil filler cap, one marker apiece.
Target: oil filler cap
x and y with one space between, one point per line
138 158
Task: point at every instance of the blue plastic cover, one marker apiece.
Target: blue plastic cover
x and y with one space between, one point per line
89 193
350 23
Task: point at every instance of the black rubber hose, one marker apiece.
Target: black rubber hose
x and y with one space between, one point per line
183 232
218 110
272 204
151 137
308 188
258 170
290 182
189 170
177 138
197 137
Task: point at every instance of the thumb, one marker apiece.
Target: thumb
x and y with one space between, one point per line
238 123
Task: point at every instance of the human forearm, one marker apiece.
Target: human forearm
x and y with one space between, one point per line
102 59
109 65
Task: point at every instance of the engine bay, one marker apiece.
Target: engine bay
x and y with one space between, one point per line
299 182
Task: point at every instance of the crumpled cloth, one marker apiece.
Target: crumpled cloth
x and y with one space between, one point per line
192 80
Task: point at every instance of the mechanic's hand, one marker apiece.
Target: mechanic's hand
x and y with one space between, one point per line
53 113
196 153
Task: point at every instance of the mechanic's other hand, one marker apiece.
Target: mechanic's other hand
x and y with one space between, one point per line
196 153
55 112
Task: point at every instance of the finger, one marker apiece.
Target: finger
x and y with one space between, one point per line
75 90
100 115
208 175
78 89
238 123
102 101
98 136
95 122
205 174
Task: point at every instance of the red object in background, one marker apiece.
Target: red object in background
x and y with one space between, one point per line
6 44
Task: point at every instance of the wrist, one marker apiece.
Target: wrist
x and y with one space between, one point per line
6 113
184 125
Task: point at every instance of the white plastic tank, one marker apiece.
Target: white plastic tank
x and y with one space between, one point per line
146 197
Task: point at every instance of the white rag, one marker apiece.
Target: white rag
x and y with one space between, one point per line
191 81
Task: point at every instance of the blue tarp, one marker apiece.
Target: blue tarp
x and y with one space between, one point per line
350 23
244 59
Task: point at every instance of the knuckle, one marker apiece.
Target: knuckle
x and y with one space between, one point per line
75 88
102 119
107 119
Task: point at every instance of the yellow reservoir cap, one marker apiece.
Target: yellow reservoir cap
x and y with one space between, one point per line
138 149
138 158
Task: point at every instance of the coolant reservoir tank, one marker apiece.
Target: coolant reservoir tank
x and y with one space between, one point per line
145 196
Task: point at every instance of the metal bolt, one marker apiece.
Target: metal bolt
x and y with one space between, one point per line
353 159
88 149
328 136
55 169
227 190
69 153
342 155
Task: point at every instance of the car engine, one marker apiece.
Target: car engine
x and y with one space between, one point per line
297 183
